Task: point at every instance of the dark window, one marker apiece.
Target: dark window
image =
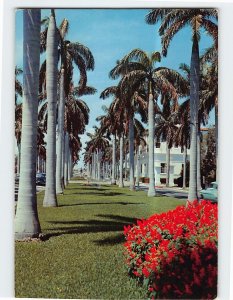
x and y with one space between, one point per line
157 145
163 168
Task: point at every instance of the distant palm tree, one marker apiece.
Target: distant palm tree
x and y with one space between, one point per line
126 103
75 119
138 69
182 136
26 219
172 21
165 130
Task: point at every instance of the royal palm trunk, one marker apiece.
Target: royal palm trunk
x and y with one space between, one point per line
113 181
88 169
60 141
126 165
26 219
50 198
66 159
131 154
121 184
184 166
69 164
99 154
151 190
138 166
168 166
194 104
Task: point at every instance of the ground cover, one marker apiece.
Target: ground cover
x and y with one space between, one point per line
82 256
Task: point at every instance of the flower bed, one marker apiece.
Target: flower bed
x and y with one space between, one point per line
174 254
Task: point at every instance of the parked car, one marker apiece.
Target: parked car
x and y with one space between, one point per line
211 193
40 178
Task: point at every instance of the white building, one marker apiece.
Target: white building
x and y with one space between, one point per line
160 152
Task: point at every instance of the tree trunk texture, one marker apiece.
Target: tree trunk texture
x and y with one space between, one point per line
66 159
138 166
60 140
184 168
131 154
113 181
50 198
194 105
168 166
151 190
121 183
26 219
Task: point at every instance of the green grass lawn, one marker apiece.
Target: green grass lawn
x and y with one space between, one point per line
83 254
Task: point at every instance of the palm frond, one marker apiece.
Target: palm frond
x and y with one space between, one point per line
155 57
79 49
64 28
169 34
123 68
156 15
212 29
137 55
109 91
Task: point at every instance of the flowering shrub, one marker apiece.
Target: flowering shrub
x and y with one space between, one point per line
174 254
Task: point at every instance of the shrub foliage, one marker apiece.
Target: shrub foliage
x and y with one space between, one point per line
174 254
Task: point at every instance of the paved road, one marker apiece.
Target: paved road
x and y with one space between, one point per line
169 192
162 190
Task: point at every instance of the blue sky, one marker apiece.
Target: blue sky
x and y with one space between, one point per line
110 34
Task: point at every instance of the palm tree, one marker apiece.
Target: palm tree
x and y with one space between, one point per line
172 21
50 198
60 136
125 104
138 68
209 93
26 219
165 129
182 136
110 123
70 53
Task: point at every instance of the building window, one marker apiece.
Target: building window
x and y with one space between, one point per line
163 168
157 145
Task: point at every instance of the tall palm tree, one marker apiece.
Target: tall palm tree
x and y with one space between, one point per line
50 198
172 21
60 136
26 219
70 54
138 68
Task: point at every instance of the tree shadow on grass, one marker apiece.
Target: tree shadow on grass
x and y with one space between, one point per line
113 240
102 203
116 224
106 194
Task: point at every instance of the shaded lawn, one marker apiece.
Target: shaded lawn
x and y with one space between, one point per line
82 256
